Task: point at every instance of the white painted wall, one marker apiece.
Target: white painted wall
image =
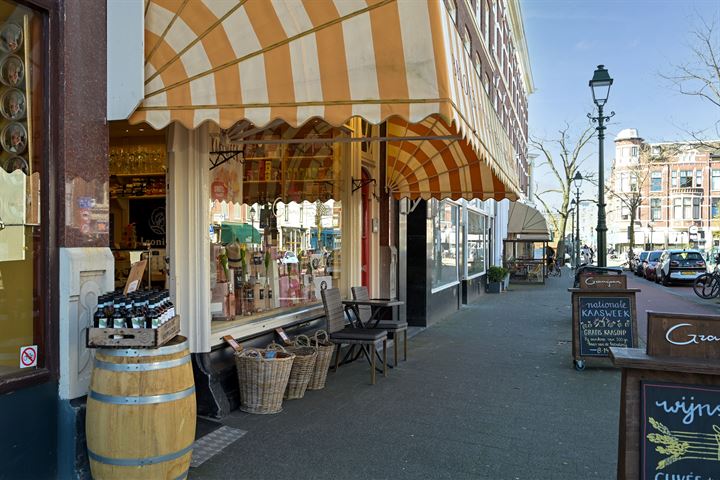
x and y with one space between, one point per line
85 274
125 57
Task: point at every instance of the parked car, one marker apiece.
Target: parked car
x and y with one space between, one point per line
680 266
289 257
639 262
650 264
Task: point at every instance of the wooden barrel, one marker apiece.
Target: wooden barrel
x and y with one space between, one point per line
141 413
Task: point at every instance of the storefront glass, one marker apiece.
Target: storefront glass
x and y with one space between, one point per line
21 168
443 232
276 223
476 243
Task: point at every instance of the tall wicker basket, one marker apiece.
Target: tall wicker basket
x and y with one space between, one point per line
325 349
262 380
302 369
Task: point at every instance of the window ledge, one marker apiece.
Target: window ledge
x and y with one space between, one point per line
23 379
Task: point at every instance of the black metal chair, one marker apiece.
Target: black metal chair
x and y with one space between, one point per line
341 333
393 327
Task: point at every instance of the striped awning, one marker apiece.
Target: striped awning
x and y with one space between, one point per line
263 60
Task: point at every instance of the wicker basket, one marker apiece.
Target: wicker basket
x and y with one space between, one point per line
262 380
302 369
325 349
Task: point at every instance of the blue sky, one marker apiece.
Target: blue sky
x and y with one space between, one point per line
636 40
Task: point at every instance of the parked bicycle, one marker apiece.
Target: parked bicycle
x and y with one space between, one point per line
707 285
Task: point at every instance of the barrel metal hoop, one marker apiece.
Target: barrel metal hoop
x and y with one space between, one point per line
141 367
182 476
139 462
144 352
141 400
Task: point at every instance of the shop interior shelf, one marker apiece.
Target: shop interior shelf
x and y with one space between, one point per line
148 174
136 197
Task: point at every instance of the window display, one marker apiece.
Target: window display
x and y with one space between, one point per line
525 259
443 233
275 222
21 231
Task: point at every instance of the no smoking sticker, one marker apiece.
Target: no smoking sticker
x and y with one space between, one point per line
28 356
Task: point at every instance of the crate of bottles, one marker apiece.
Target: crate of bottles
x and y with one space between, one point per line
139 319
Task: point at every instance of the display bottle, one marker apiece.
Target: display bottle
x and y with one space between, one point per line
149 311
118 318
249 298
100 319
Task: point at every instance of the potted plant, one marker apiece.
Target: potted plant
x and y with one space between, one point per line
495 277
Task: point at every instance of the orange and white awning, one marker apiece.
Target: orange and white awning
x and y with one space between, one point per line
262 60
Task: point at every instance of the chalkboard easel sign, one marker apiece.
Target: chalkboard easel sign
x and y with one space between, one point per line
602 319
680 431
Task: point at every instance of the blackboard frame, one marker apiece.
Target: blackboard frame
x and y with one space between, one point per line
636 367
600 294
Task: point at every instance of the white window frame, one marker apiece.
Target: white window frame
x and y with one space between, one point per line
467 209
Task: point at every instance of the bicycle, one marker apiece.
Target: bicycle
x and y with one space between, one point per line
707 285
554 269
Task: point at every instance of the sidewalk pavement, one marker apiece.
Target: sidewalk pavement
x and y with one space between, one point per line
489 393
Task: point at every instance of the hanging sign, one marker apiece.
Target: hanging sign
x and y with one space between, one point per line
28 356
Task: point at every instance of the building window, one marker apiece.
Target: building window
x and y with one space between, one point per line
655 151
633 182
686 178
487 83
634 152
715 208
696 208
452 9
687 208
655 209
673 179
625 212
715 180
23 249
486 26
476 243
698 178
677 208
478 64
467 41
445 243
656 182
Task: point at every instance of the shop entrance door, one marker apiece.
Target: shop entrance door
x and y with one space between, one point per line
366 230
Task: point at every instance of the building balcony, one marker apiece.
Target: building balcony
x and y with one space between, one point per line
687 191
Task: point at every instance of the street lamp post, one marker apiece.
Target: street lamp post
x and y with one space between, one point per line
600 86
577 182
651 235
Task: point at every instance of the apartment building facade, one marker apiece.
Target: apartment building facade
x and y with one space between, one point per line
677 185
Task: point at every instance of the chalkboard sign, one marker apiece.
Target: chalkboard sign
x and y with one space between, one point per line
680 431
604 322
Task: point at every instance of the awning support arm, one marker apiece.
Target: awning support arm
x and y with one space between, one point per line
224 156
358 184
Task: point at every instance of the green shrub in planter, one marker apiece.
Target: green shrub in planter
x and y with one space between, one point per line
495 277
496 274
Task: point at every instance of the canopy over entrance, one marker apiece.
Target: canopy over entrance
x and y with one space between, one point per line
525 222
225 61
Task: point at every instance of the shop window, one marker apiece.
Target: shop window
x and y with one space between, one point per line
476 243
23 287
656 182
280 243
443 235
655 209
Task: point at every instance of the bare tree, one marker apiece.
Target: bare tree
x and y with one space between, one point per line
699 76
563 169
